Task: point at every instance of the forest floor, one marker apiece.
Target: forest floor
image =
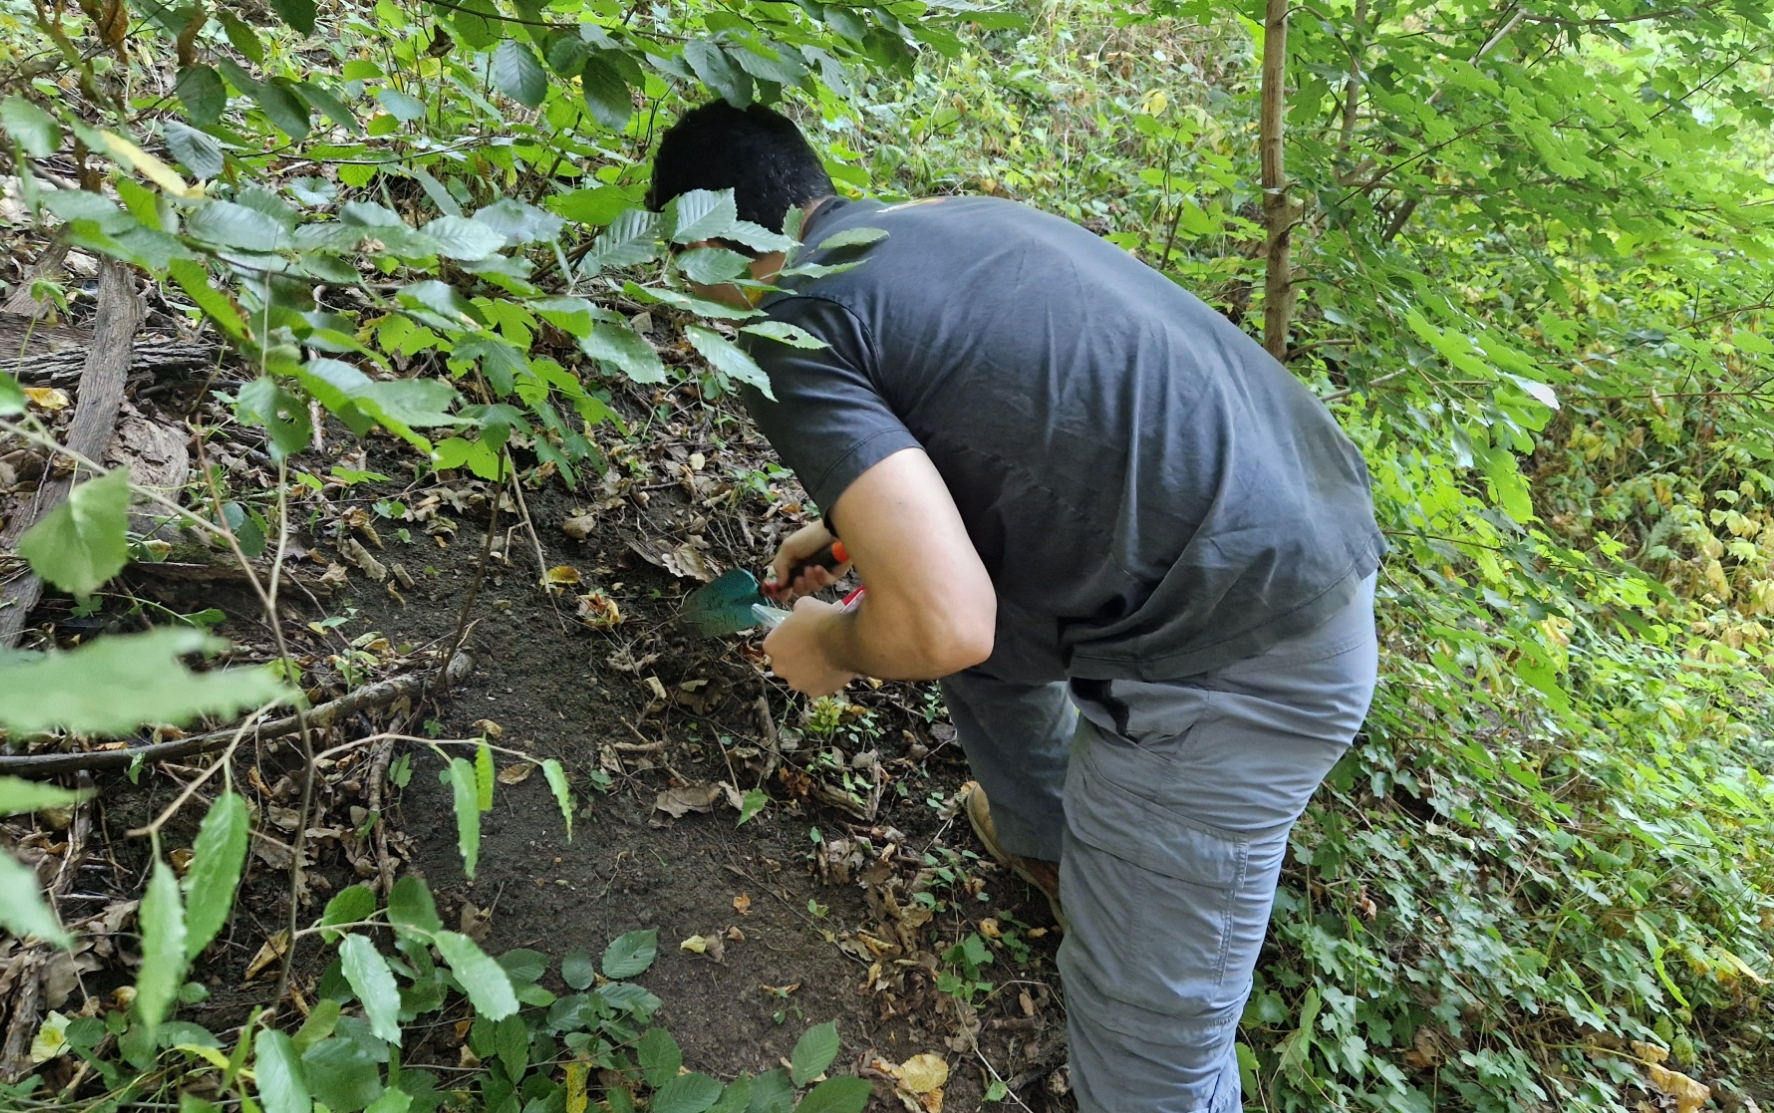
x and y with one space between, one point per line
843 899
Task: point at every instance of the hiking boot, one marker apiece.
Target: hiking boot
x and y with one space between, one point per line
1039 872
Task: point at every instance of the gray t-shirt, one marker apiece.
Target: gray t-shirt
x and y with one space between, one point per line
1152 494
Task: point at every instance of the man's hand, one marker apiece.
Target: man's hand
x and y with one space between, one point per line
797 548
797 648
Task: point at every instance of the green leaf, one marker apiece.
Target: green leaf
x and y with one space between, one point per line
755 801
245 40
402 106
606 94
631 238
396 405
520 222
712 266
410 906
217 857
326 101
518 74
343 1072
461 238
227 224
781 331
285 110
659 1056
12 396
563 796
162 919
476 22
700 214
299 14
202 93
687 1093
597 206
194 280
19 795
322 1019
485 981
813 1053
772 1092
119 682
626 349
721 74
23 911
630 954
467 802
282 415
728 358
736 1098
82 542
30 127
374 984
837 1095
350 905
278 1074
577 970
483 777
851 237
200 152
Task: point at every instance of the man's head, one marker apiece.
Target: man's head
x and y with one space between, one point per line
759 154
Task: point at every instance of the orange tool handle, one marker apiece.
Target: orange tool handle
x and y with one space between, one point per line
828 558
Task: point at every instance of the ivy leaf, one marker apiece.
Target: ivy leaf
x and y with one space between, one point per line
83 542
119 682
837 1095
200 152
19 795
299 14
217 857
721 74
700 214
367 971
466 795
30 127
278 1074
728 358
630 954
606 94
23 911
813 1053
557 784
622 346
518 74
162 918
485 981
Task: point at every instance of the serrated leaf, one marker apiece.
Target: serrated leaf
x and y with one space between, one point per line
278 1074
162 918
728 358
598 206
852 237
518 73
700 214
768 61
721 74
466 795
402 106
837 1095
286 111
759 238
485 981
711 266
282 415
626 349
460 238
813 1053
19 795
327 102
630 954
299 14
372 981
484 773
781 331
687 1093
398 405
659 1056
217 857
410 906
606 93
30 127
23 911
227 224
119 682
83 542
350 905
577 970
557 784
200 152
520 222
201 91
633 237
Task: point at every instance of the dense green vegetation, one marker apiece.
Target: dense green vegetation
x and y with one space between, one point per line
1530 256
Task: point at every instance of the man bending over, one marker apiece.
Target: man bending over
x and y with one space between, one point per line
1138 553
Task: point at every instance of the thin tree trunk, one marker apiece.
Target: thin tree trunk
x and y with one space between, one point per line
1279 209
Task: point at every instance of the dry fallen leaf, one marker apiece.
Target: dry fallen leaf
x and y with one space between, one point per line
922 1073
516 774
489 728
561 575
676 802
580 526
269 953
742 903
47 397
599 611
1689 1095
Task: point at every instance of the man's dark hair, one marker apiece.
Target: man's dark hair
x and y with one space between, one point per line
757 153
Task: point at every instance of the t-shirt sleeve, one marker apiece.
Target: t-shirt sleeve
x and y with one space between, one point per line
829 423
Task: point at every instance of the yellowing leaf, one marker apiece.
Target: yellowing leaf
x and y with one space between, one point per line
922 1073
576 1100
561 575
696 944
47 397
148 166
1689 1095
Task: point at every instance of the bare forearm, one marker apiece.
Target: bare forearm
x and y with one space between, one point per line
870 641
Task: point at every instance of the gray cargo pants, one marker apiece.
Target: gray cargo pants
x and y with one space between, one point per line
1168 805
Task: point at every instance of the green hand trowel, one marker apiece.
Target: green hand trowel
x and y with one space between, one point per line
736 601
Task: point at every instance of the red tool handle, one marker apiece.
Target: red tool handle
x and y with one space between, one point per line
828 558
